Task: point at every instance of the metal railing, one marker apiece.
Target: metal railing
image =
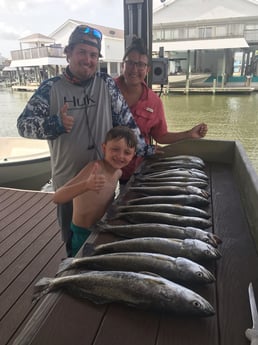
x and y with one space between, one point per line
38 52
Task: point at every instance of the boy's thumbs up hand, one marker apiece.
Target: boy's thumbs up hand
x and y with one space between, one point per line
96 181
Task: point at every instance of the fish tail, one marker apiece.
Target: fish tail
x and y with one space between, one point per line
41 288
64 265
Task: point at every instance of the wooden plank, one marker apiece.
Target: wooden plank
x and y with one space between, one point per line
30 248
79 324
239 262
134 326
22 310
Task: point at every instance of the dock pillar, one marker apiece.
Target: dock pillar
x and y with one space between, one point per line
214 86
248 81
187 85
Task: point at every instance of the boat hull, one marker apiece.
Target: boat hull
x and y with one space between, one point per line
181 79
24 163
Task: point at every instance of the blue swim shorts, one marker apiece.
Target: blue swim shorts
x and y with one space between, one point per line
79 236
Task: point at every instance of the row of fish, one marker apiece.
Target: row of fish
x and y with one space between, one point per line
159 254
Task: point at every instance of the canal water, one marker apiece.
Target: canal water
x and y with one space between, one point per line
229 117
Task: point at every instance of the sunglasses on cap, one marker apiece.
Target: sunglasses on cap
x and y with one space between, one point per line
91 32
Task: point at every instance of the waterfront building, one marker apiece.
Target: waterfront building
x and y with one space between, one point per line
41 57
218 37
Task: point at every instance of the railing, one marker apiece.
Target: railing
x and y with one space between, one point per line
38 52
251 35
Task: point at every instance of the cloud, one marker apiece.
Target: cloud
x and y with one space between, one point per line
20 18
8 32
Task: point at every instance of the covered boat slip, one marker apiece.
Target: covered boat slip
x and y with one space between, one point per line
61 319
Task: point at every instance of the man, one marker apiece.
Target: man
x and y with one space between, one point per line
74 112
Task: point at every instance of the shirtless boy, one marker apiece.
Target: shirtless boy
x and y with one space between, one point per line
92 190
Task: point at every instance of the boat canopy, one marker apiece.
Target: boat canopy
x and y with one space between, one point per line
220 43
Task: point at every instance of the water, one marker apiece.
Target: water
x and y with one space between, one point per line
229 117
11 105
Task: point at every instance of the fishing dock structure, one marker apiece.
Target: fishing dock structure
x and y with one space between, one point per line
212 85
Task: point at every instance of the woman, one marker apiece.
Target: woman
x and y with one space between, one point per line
145 105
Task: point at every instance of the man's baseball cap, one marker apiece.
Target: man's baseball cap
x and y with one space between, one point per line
80 34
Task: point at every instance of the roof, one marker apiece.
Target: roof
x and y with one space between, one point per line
223 43
106 31
37 38
202 10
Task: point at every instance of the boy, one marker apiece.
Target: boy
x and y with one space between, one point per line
93 188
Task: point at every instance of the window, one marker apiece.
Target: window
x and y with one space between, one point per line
221 31
205 32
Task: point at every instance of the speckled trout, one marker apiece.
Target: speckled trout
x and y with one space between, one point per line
169 190
158 183
180 163
188 158
175 172
179 269
138 217
140 290
160 230
167 208
192 249
183 199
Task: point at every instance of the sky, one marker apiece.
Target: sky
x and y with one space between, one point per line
20 18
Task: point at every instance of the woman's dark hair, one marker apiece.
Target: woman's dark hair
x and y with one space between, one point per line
137 45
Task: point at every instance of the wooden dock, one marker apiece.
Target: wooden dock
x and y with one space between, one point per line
30 88
205 90
64 320
30 248
211 90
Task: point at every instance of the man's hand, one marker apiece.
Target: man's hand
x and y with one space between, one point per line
67 120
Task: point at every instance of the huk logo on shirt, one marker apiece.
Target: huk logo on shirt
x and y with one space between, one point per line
84 102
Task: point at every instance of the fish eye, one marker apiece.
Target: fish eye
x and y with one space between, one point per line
200 274
196 304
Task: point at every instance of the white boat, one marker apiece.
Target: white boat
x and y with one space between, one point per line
179 80
24 163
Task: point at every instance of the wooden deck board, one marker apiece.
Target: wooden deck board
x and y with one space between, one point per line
30 248
239 262
73 321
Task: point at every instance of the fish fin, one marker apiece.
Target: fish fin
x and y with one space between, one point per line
105 227
64 265
41 288
150 274
88 249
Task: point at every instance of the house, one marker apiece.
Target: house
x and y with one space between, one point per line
112 47
41 57
219 37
